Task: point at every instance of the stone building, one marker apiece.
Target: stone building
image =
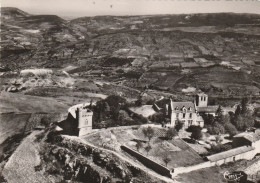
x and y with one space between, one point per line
78 122
201 101
185 112
247 139
84 119
189 112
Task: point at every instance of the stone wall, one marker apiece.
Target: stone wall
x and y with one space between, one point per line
148 162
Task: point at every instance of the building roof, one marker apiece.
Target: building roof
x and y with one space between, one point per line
229 153
178 106
251 136
208 109
202 94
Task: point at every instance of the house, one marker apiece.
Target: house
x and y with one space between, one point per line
185 112
189 112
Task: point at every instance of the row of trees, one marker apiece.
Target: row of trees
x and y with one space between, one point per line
230 123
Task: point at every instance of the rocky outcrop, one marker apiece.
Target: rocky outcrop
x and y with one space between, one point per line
80 162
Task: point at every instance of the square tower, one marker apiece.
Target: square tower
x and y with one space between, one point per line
201 100
84 118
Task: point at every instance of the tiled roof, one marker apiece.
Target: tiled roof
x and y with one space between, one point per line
229 153
178 106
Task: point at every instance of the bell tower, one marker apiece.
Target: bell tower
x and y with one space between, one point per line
84 118
201 100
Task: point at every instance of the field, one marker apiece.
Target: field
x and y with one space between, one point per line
19 103
179 152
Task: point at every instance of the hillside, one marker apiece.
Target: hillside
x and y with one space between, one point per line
49 64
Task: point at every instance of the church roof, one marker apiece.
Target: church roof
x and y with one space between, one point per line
178 106
209 109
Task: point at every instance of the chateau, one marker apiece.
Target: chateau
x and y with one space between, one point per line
188 112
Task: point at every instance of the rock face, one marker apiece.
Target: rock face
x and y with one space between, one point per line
79 162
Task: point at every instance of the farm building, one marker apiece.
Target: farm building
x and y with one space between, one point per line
247 138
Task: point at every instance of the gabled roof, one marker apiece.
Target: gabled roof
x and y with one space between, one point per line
229 153
178 106
251 136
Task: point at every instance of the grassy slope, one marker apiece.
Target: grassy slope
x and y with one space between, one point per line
18 103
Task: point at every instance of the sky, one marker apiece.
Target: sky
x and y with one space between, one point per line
78 8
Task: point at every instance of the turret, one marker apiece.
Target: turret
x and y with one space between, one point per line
84 118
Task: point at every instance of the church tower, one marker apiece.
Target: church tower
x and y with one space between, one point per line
84 118
201 100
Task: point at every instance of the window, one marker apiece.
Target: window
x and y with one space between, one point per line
204 98
184 115
177 115
189 122
190 115
201 98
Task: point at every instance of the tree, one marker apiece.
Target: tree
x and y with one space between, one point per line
208 118
244 103
238 111
171 132
216 129
148 132
196 134
157 117
178 125
148 148
166 159
239 123
138 145
230 129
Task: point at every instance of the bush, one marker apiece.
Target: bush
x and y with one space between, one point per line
171 132
196 134
230 129
193 128
178 125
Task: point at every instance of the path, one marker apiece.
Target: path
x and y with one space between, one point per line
148 171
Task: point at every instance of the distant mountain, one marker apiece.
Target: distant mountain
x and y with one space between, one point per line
13 12
50 41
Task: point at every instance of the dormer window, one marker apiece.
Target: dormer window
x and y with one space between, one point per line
176 108
189 108
184 109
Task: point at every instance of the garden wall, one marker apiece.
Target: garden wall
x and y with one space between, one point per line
147 162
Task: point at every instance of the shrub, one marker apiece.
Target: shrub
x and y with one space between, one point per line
230 129
178 125
171 132
196 134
